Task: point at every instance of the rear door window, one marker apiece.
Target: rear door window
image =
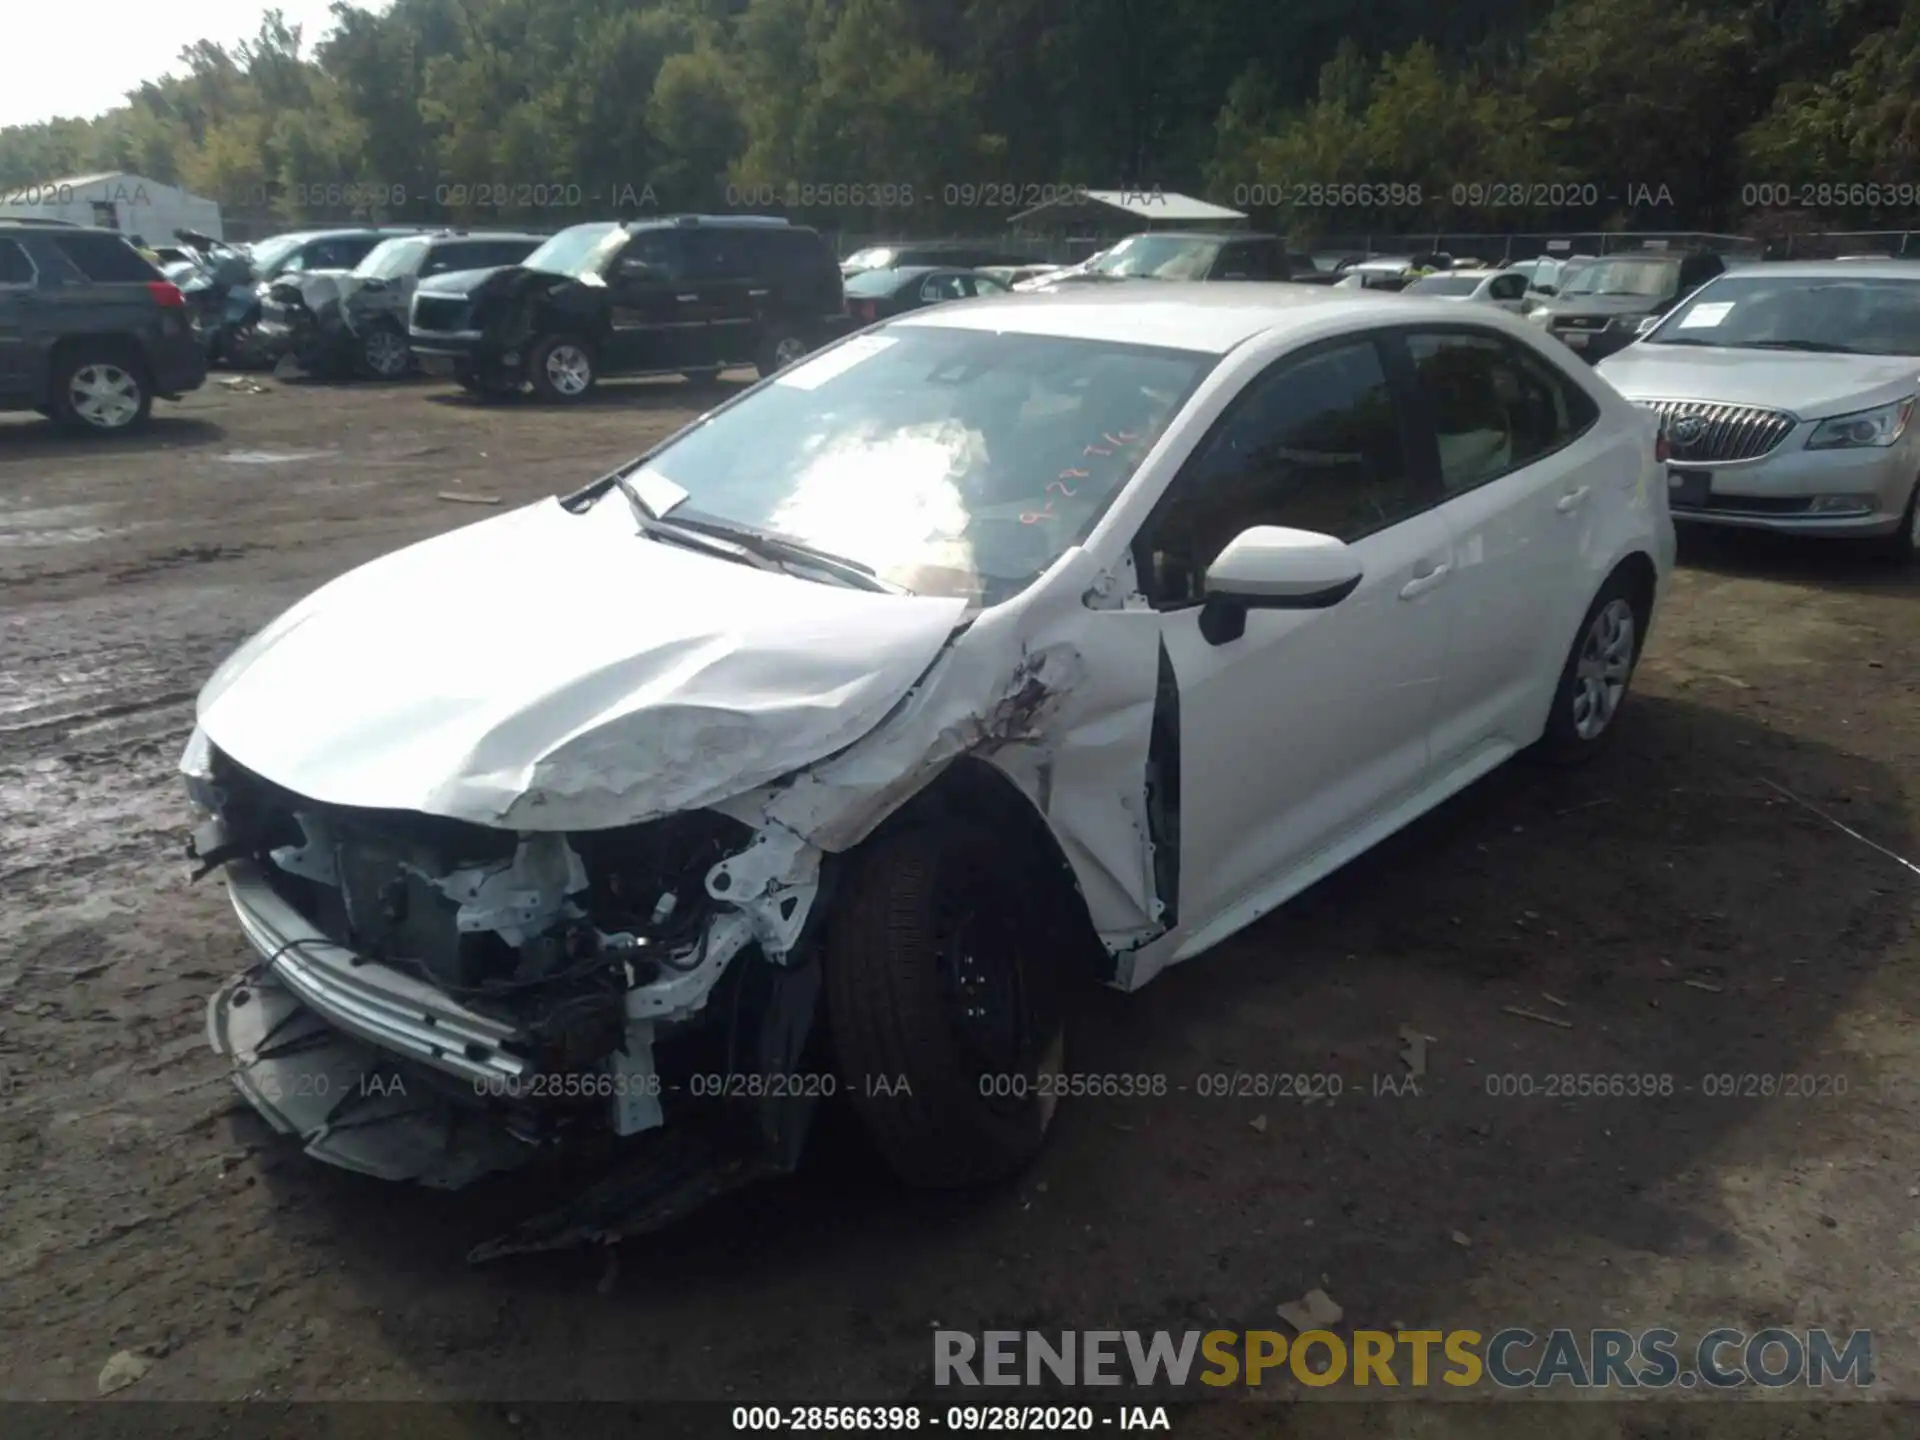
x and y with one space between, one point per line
15 267
106 259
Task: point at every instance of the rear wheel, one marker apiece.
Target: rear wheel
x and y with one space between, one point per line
1593 682
945 1004
102 392
780 349
562 369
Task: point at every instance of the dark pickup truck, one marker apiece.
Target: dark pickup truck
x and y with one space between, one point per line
90 332
685 295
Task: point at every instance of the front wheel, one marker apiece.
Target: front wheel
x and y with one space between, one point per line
1593 683
384 354
562 369
945 1006
1902 546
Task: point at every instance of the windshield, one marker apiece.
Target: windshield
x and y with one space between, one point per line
1445 285
1649 279
873 258
950 461
1864 315
1163 257
578 249
269 253
399 256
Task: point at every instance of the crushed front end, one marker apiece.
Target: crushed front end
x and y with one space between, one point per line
434 1000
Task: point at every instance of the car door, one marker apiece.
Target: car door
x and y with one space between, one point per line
1506 431
1508 290
1312 721
720 319
650 305
19 367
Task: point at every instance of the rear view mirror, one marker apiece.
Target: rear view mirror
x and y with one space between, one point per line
1271 567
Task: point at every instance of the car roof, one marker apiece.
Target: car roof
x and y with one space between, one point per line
1208 316
1829 269
1477 273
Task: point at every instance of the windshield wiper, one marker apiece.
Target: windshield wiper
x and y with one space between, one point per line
1812 347
783 552
654 528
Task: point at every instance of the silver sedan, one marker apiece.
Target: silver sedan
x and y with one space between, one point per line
1788 393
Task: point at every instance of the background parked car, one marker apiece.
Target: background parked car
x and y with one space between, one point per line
334 322
1600 306
876 294
1180 255
957 254
1788 393
686 295
1504 288
1012 275
236 339
94 332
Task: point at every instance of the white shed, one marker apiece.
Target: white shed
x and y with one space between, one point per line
116 200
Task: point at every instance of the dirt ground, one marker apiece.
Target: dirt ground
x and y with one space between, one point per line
1678 914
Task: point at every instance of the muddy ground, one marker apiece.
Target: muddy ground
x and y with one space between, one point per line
1680 915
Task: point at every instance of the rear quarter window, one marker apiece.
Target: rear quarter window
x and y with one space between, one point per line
106 259
15 267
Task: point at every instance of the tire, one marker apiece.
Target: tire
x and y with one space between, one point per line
101 391
1902 547
1572 737
562 369
895 950
778 350
383 354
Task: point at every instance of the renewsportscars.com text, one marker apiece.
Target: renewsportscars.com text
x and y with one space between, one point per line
1510 1359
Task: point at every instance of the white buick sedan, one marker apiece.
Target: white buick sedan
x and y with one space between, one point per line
822 750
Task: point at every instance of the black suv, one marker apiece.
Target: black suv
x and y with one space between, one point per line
1182 255
337 321
89 331
1599 307
687 295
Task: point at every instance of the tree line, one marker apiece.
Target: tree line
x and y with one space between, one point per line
944 116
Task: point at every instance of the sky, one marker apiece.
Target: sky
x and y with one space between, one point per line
84 70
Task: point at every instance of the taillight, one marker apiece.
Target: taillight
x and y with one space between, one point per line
864 310
166 293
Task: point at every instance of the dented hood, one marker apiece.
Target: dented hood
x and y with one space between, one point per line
547 671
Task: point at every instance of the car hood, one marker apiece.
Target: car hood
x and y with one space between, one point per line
466 282
1810 386
544 670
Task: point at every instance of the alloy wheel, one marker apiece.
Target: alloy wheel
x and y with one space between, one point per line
1605 665
106 396
568 369
789 351
385 353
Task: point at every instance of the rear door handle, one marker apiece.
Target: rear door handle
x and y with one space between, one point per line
686 299
757 294
1571 500
1420 584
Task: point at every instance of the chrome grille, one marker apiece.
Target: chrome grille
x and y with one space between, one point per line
1726 432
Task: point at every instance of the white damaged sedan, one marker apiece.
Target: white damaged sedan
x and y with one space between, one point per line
824 750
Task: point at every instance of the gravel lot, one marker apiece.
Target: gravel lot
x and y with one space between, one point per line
1681 915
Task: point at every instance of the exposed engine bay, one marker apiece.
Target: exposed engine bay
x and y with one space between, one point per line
436 1000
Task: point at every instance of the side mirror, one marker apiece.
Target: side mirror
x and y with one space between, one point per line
376 283
1648 324
1271 567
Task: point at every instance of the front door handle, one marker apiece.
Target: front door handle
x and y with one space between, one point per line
1420 584
686 299
756 294
1570 501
